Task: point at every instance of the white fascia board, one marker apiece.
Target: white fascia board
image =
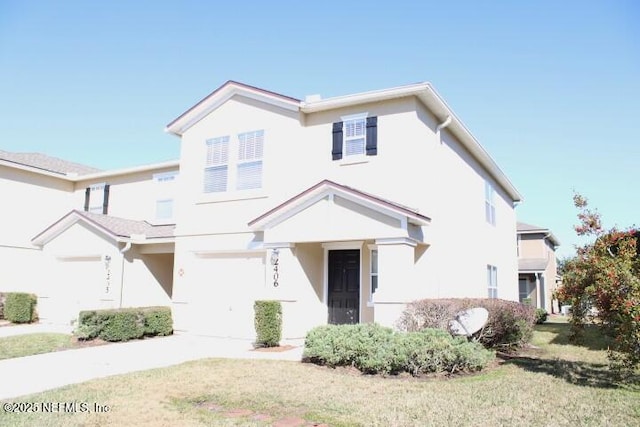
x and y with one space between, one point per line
34 169
437 105
126 171
217 99
362 98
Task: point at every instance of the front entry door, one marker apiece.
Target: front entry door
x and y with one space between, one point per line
344 286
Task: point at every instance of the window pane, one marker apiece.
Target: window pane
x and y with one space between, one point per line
164 209
249 175
374 284
215 179
250 145
218 151
374 261
354 147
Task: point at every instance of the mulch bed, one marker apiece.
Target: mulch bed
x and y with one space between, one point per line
277 349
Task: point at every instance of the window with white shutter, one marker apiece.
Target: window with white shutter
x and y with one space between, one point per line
250 151
217 165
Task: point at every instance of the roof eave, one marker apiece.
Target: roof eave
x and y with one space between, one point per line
222 94
436 104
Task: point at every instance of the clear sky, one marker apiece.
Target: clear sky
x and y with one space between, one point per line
550 88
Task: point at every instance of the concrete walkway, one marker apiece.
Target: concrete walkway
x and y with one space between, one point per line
32 374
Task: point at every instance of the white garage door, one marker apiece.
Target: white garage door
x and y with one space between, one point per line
78 284
223 294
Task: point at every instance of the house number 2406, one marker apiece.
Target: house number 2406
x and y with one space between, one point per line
276 275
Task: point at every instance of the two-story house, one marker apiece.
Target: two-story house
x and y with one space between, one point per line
537 265
69 230
344 209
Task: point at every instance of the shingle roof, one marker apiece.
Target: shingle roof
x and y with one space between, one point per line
47 163
532 264
127 227
522 226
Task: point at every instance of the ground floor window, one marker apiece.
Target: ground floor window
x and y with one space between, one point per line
374 271
492 281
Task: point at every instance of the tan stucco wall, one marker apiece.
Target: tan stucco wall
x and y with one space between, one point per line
413 167
131 196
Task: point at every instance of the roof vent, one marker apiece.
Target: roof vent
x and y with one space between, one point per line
313 98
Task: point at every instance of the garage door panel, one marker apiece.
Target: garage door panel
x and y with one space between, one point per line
223 296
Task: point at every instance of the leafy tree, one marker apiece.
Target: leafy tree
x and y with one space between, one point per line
602 283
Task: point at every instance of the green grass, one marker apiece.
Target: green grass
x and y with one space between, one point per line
557 384
30 344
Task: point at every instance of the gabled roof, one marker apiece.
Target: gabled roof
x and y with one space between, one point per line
46 163
423 91
220 96
119 229
524 228
327 187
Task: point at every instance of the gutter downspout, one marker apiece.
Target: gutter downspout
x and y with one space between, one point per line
443 125
126 247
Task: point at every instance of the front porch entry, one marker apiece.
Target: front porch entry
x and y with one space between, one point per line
343 286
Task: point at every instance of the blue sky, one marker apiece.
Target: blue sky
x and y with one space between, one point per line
551 89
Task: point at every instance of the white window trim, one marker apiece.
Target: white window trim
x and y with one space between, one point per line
491 201
370 302
359 158
231 193
492 271
93 203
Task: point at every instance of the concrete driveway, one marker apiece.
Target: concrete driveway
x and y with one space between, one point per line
32 374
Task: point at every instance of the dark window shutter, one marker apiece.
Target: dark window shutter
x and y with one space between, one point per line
105 203
87 196
336 152
372 136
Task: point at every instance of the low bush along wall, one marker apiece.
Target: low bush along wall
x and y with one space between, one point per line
376 349
510 324
18 307
124 324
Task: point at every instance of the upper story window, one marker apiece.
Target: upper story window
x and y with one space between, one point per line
250 150
492 281
165 185
355 136
489 203
234 163
217 165
96 198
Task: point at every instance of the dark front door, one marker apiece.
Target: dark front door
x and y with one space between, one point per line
344 286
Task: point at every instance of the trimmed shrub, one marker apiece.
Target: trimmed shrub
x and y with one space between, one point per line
157 321
3 296
20 307
541 316
510 324
374 349
124 324
268 323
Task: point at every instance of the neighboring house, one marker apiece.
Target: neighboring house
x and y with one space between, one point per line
344 209
537 266
80 261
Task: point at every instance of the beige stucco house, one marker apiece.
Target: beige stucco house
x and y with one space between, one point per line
344 209
64 235
537 265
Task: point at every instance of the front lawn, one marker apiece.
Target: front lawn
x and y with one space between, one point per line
30 344
558 384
